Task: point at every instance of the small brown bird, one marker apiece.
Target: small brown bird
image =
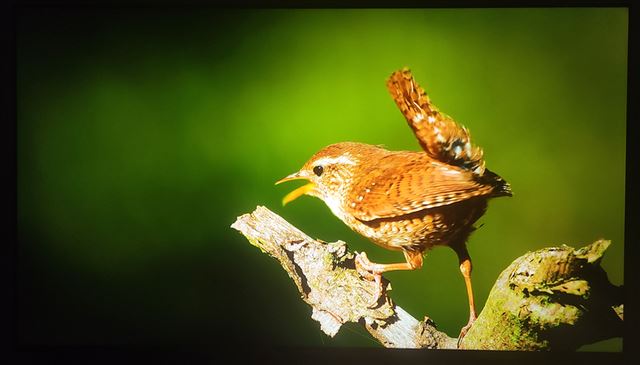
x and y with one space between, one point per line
402 200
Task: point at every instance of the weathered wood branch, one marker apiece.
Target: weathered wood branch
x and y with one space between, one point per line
554 298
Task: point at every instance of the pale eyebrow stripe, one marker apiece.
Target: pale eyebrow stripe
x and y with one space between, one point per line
343 159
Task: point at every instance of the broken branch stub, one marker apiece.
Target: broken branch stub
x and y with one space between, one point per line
326 277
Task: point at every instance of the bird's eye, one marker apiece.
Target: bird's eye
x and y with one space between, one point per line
318 170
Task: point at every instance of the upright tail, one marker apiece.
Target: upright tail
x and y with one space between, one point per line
438 134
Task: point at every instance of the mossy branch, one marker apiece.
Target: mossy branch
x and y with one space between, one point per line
554 298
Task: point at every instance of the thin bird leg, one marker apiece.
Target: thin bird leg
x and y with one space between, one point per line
465 269
373 271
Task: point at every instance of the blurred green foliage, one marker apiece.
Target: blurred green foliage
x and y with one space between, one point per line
142 134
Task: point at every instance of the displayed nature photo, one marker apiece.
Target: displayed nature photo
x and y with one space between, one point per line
431 178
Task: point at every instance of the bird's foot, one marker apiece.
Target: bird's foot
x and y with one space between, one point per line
367 270
364 267
464 330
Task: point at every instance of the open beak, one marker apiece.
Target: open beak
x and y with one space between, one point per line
299 191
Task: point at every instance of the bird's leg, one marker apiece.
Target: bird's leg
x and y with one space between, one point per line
465 269
373 271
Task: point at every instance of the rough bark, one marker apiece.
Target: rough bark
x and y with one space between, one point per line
554 298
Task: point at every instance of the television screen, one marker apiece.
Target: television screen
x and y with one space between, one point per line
143 133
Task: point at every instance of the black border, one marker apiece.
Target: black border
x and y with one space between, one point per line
304 355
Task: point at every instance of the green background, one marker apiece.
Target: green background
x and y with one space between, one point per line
142 134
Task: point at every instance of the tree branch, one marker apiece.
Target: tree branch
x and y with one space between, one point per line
554 298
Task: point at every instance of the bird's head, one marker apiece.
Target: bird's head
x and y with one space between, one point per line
330 172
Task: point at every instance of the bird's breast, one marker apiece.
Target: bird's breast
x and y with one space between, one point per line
423 229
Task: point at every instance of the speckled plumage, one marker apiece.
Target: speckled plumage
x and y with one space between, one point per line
439 135
403 200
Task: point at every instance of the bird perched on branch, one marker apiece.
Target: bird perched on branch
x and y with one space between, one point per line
403 200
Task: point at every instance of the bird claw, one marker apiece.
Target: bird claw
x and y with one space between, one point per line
463 332
364 267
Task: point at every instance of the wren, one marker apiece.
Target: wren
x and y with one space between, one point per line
403 200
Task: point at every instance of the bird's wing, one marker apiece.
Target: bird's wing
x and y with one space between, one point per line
398 185
440 136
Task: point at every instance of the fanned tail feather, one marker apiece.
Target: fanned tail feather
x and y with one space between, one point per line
439 135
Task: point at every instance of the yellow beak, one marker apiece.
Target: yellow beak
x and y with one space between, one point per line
299 191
